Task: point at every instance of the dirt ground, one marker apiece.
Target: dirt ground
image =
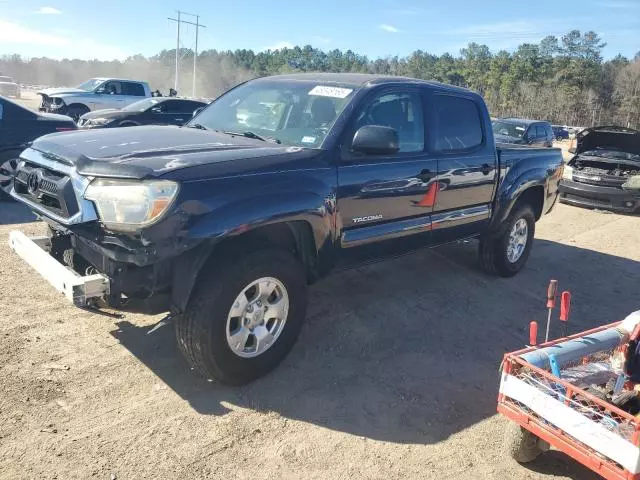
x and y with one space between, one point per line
395 374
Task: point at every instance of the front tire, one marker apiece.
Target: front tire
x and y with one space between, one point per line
506 252
76 111
244 316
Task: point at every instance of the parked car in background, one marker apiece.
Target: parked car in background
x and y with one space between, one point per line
150 111
604 171
94 94
519 131
8 87
560 132
18 127
273 185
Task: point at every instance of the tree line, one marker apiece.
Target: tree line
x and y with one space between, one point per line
564 80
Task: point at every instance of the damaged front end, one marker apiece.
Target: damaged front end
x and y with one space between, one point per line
52 104
605 171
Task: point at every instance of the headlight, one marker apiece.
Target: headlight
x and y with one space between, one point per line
126 205
567 173
632 184
100 121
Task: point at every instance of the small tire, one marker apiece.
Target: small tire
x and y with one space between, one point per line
520 444
201 332
76 111
493 249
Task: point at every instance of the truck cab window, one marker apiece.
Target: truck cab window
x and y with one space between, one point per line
400 111
112 88
133 89
458 124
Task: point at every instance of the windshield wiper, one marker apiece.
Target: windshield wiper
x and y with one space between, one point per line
198 126
254 136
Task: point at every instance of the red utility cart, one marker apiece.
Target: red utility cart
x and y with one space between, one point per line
551 412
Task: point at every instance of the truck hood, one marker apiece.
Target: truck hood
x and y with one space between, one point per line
155 151
608 138
59 91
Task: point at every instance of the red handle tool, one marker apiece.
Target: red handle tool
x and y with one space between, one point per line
565 311
552 289
533 333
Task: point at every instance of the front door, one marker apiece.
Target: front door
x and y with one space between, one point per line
467 166
383 200
109 95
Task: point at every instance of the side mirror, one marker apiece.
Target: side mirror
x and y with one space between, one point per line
197 111
376 140
100 91
156 110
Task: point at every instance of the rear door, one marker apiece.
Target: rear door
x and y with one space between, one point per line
132 92
541 136
381 198
467 165
174 112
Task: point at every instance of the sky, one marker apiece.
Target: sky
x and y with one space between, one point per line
115 29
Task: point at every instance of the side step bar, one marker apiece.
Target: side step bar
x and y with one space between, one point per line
78 289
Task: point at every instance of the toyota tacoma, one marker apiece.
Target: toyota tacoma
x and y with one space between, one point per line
273 185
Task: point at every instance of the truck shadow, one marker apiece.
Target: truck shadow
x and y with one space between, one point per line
407 351
14 213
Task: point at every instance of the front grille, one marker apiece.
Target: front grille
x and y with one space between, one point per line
50 189
591 200
599 180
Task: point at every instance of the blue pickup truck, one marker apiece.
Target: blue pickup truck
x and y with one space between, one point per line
275 184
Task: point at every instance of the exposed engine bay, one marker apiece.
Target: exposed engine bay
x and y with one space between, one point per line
592 166
598 170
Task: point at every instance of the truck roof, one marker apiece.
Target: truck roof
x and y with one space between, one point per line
119 79
520 121
359 79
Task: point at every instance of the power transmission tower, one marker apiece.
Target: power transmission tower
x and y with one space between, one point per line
198 25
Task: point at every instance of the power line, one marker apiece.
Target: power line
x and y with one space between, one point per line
198 25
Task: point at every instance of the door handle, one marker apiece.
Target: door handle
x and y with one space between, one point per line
486 169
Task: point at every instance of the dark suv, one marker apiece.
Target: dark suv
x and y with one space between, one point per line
523 132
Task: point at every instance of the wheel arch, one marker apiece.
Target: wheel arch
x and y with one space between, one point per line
78 105
294 236
528 188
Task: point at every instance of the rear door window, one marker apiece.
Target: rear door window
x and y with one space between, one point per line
132 89
458 125
181 106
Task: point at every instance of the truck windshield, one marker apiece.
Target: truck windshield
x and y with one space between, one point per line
90 85
508 129
291 112
141 105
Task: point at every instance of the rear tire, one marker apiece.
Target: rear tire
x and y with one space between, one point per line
202 331
520 444
499 255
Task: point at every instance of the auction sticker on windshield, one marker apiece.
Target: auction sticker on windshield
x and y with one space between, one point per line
334 92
